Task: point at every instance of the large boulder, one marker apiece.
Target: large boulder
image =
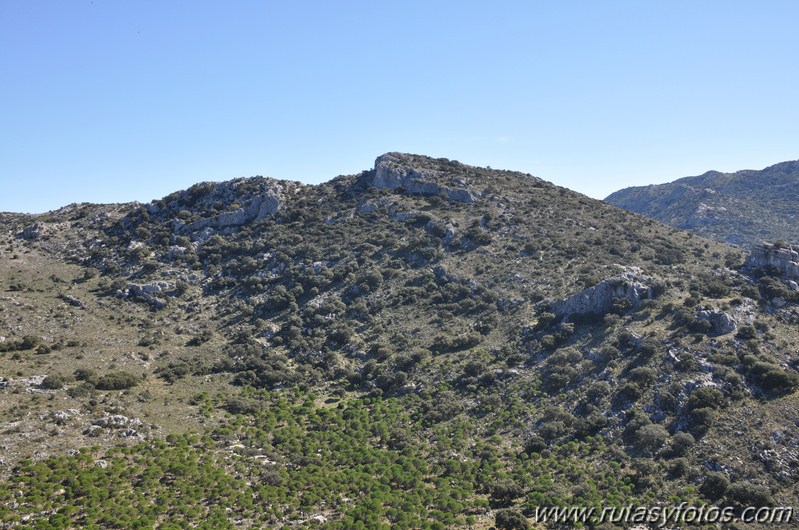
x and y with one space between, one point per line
146 292
628 288
254 208
208 207
721 323
782 257
396 170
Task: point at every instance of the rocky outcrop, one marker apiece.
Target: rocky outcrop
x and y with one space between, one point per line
146 292
40 230
721 323
124 426
32 232
71 300
367 208
211 206
784 258
256 208
626 290
395 170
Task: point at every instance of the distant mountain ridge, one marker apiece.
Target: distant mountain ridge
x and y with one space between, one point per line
742 208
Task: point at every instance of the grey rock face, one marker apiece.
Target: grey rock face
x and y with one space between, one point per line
255 209
117 421
146 292
39 230
784 259
221 205
71 300
721 323
631 286
367 208
32 232
392 171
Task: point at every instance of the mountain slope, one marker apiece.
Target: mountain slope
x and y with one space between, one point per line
742 208
423 345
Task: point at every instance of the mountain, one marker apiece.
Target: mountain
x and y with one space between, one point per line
742 208
425 344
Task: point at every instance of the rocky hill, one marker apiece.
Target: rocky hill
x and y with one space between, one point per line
743 208
425 344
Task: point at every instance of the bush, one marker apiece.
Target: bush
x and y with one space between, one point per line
651 437
750 495
534 444
597 391
706 396
29 342
54 382
643 376
173 371
746 333
85 374
511 520
715 486
82 390
679 467
681 443
505 490
117 381
772 378
702 419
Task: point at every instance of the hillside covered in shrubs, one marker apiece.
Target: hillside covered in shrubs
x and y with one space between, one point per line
743 208
425 344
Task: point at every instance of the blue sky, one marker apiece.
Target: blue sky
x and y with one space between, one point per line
111 101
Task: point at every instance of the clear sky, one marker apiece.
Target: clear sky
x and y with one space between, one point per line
112 101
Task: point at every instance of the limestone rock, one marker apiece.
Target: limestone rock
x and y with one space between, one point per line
117 421
210 206
367 208
394 170
71 300
785 259
32 232
255 209
146 292
631 286
40 230
721 322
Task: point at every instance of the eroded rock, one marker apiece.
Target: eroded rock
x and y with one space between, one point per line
721 323
393 170
627 289
784 258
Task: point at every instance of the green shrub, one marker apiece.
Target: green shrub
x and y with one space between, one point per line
651 437
714 486
707 396
511 520
681 443
505 490
702 419
534 444
54 382
747 494
117 381
85 374
82 390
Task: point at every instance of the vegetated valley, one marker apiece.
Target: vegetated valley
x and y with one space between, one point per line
423 345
